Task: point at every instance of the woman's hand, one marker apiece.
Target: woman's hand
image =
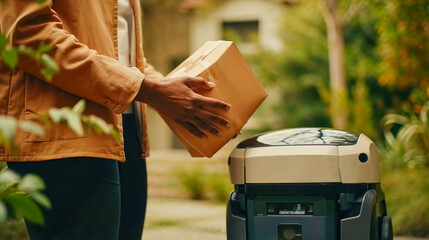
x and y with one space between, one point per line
177 98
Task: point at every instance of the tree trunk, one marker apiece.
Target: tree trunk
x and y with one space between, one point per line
339 109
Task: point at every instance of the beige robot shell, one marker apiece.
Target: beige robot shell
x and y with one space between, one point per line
310 155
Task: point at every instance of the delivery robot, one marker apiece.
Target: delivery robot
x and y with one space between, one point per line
306 184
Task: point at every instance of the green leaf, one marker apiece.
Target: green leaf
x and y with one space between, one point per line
99 124
56 115
3 213
31 127
8 127
74 122
44 48
8 177
25 206
50 66
79 107
47 74
40 1
41 199
49 63
3 41
31 183
115 134
395 118
10 57
24 50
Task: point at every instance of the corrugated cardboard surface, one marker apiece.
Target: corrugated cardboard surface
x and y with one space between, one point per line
236 84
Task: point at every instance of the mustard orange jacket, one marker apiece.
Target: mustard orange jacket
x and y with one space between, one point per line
83 36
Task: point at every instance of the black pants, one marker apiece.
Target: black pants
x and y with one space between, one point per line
93 198
133 178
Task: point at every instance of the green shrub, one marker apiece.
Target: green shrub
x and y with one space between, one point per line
200 182
192 179
219 185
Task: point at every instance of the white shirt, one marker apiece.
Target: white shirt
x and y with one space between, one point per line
126 36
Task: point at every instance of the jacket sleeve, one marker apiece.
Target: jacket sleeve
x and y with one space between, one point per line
83 71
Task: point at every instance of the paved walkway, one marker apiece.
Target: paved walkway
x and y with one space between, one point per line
184 220
175 219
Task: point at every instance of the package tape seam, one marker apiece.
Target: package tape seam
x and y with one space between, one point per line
200 60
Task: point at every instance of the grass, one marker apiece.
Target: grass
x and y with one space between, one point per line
163 223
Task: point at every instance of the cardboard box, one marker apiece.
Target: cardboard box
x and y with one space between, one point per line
220 62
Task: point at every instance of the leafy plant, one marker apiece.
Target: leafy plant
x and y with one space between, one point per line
405 169
21 197
410 145
10 56
74 118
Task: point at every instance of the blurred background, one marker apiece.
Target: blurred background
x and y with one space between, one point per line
357 65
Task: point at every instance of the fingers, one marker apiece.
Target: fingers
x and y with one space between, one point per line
212 103
197 83
214 118
205 123
193 130
207 127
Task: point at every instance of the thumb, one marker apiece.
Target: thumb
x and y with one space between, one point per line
197 83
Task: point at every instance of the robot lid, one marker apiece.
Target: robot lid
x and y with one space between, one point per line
305 155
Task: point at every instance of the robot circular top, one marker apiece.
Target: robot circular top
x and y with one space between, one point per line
302 136
305 155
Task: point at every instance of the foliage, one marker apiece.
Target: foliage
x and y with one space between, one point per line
10 56
293 75
220 186
407 199
403 28
21 197
192 180
404 33
405 164
74 118
299 74
409 147
201 183
8 128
